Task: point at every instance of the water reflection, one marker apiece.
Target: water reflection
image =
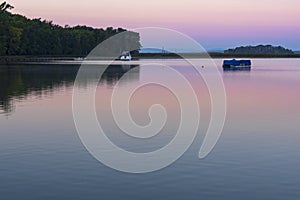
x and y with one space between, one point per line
243 69
114 72
255 158
19 82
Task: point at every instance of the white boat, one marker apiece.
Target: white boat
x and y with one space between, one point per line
125 56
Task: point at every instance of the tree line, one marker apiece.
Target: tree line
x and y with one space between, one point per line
22 36
260 50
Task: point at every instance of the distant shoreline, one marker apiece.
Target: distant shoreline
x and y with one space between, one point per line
4 60
215 55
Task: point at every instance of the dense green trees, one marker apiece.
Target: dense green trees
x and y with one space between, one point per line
22 36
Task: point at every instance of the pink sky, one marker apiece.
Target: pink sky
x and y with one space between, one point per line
214 23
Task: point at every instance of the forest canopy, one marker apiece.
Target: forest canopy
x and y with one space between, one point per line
22 36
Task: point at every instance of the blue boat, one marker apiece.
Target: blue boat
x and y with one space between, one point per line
237 64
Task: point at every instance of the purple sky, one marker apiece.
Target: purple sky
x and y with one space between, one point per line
214 23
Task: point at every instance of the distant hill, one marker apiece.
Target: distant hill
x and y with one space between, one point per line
260 49
152 50
217 50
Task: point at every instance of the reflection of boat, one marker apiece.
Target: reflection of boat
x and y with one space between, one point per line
125 56
237 64
237 69
79 59
114 73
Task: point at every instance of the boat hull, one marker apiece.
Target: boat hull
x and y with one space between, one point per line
237 68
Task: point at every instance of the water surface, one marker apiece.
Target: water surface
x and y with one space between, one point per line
257 156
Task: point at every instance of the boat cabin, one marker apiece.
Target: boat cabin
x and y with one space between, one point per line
236 63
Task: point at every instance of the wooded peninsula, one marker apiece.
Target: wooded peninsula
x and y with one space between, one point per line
20 36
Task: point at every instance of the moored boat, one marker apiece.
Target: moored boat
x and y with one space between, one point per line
125 56
236 64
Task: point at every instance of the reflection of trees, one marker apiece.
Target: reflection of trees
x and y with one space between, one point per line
18 82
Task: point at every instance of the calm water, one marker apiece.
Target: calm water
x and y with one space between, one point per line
257 156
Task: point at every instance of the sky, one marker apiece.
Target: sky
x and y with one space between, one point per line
213 23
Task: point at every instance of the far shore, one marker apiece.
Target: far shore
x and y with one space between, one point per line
4 60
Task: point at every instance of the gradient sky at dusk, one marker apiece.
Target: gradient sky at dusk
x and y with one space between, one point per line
214 23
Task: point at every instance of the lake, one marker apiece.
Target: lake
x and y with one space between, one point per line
256 157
